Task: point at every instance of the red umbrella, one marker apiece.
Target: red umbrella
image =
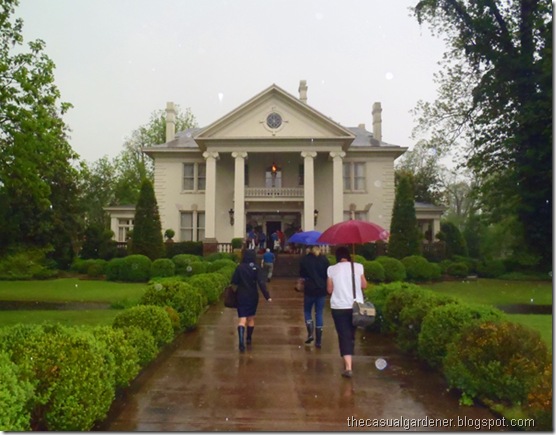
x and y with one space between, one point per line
352 232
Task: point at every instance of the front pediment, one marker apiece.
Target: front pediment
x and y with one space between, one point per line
273 114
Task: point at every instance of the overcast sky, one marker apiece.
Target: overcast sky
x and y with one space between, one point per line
117 61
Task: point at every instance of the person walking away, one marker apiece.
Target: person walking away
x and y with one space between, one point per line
251 239
262 240
268 263
275 242
313 269
248 278
339 286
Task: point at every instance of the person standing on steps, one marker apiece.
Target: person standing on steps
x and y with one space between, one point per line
339 285
313 269
268 263
249 278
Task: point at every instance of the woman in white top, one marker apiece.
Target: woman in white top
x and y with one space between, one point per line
339 285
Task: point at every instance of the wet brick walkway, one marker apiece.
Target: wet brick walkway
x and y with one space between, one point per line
202 383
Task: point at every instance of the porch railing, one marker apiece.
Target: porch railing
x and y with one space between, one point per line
274 192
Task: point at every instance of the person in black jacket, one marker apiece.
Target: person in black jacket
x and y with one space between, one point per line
247 276
313 269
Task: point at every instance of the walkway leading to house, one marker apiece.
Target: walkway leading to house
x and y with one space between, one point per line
202 383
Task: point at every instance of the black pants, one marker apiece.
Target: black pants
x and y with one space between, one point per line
345 330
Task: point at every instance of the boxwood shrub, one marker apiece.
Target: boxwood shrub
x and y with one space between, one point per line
419 269
406 294
72 378
135 268
411 318
121 351
188 301
443 323
208 284
502 362
149 317
96 268
143 342
163 267
15 395
219 264
183 261
374 271
458 270
491 269
113 269
394 270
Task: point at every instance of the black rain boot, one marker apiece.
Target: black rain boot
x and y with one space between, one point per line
318 341
249 335
241 335
310 328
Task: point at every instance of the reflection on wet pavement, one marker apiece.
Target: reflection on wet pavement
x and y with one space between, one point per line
202 383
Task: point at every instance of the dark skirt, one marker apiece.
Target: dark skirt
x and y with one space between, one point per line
247 302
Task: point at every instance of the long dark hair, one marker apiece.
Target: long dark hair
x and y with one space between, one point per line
341 253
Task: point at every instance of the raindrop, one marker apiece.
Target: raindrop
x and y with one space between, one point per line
378 183
381 363
189 268
319 16
158 286
76 285
389 76
220 96
531 300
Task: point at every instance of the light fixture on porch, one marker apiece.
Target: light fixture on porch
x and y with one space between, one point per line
316 214
274 168
231 213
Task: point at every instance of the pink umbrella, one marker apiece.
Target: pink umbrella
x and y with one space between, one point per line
352 232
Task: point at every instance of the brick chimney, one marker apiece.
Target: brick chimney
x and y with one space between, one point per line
303 91
377 121
170 122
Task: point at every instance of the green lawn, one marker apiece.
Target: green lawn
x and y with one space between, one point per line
65 317
500 292
70 290
497 292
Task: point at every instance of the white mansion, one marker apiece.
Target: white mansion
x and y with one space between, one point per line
273 162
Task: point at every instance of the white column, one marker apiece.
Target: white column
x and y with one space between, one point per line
337 186
239 194
210 195
308 190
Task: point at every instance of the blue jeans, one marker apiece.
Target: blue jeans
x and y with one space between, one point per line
318 302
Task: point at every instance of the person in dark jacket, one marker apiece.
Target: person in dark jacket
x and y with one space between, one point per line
313 269
247 277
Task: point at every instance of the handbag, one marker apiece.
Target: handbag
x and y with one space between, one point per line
230 297
363 313
299 285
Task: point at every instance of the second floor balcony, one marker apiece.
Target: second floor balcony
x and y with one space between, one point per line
274 192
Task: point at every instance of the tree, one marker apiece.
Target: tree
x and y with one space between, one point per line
427 172
97 190
38 179
132 165
405 237
147 229
455 243
495 94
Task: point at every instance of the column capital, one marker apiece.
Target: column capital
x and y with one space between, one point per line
239 155
211 155
336 154
308 154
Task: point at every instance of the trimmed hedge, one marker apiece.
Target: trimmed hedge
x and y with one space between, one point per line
149 317
135 268
394 270
188 301
500 361
374 271
163 267
14 396
419 269
442 324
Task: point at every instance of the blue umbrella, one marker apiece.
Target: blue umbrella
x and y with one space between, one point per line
306 238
